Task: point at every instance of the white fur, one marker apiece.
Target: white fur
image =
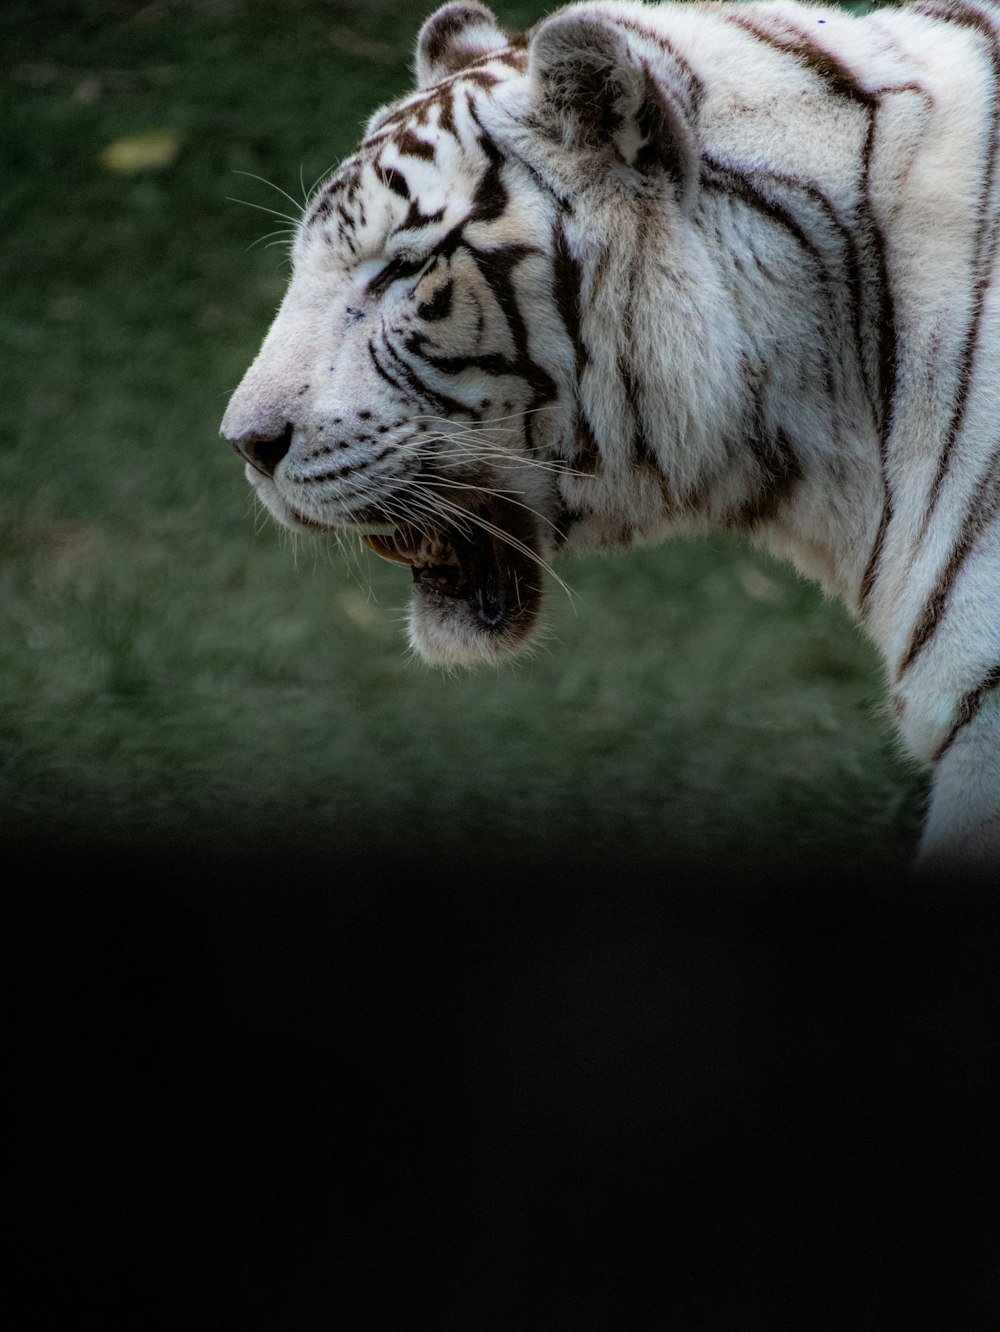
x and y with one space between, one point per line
717 270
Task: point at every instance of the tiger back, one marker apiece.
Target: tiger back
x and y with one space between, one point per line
662 268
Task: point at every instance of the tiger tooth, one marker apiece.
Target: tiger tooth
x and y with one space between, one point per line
384 546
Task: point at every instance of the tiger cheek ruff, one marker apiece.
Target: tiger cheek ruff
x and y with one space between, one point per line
654 268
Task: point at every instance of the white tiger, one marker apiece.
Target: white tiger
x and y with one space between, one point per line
650 268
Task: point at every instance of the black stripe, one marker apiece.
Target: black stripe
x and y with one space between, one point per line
780 469
842 83
641 447
362 465
419 109
731 179
733 182
497 267
446 111
439 306
985 255
875 554
394 180
415 219
491 363
586 450
567 288
373 355
694 87
968 707
490 198
982 509
517 60
480 77
411 145
447 404
851 260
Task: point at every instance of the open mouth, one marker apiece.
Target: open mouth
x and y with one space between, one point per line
486 565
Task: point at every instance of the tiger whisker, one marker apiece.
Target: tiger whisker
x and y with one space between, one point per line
264 181
415 517
489 420
286 232
477 453
486 490
456 511
261 208
478 433
398 512
315 185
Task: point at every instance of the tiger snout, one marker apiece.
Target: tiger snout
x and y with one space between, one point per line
415 496
261 446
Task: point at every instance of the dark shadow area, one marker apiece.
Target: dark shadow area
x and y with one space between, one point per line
299 1092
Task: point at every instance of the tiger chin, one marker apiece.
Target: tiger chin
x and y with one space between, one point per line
476 592
650 269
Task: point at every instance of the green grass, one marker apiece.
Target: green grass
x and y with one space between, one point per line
174 669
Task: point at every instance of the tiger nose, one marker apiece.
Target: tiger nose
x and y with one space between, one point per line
263 449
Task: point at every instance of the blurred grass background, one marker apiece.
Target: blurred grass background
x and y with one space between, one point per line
176 671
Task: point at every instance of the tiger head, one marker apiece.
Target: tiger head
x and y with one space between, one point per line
420 383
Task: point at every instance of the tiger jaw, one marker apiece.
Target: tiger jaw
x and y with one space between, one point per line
477 582
477 585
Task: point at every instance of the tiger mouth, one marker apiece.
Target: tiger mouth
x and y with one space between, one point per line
492 571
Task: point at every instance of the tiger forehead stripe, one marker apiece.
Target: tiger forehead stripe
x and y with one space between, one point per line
417 110
394 180
343 188
411 145
415 219
418 107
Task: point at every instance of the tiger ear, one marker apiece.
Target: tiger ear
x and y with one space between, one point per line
596 89
456 36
